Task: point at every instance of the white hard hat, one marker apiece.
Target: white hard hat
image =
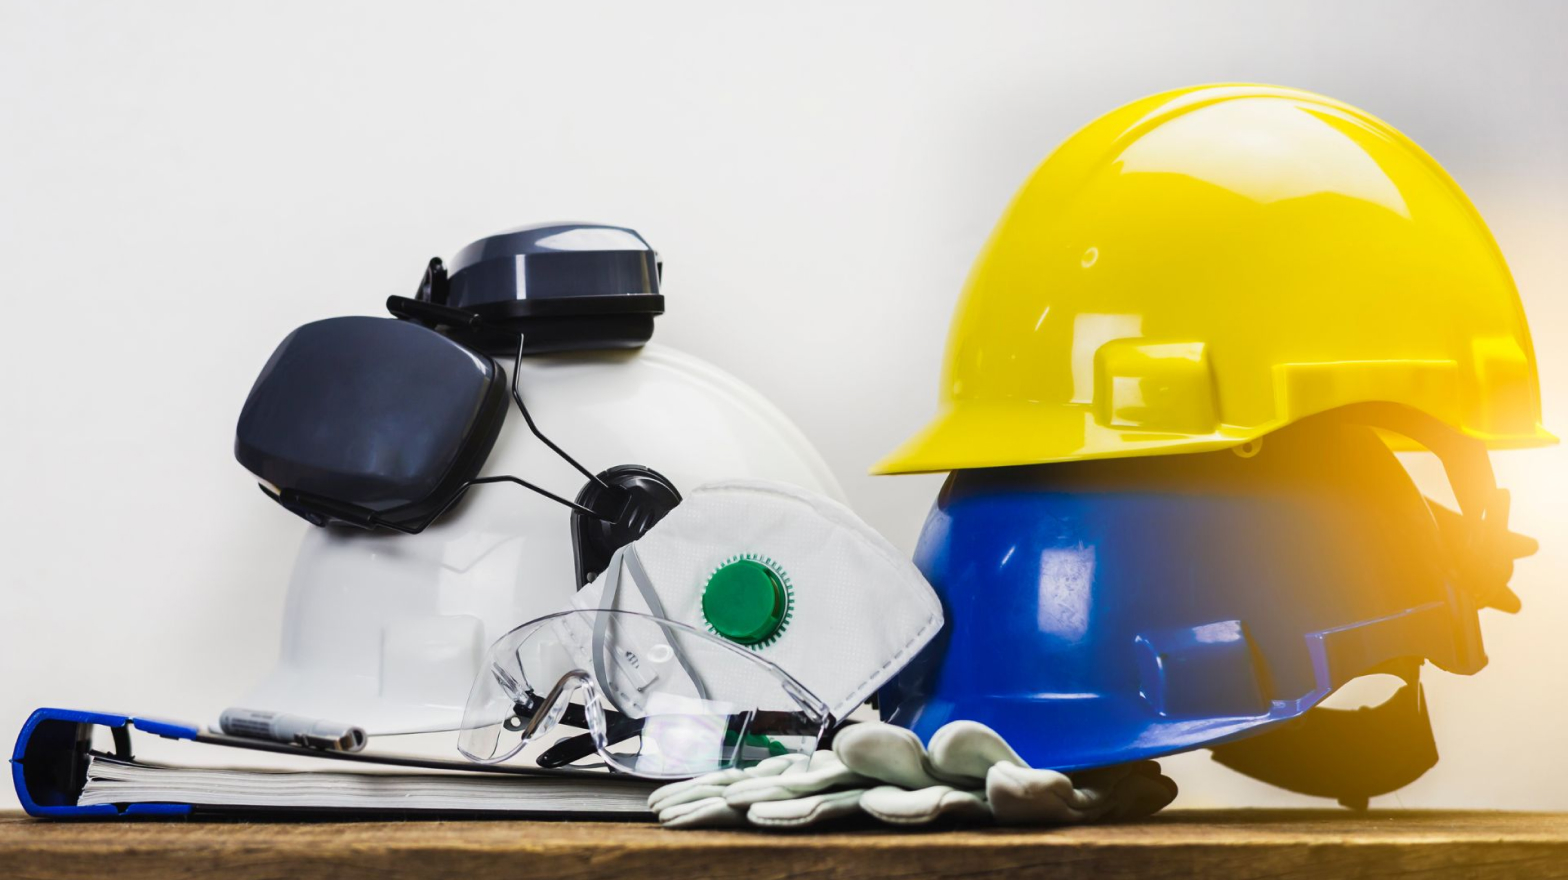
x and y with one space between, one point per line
386 630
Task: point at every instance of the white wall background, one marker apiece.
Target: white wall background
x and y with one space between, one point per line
183 183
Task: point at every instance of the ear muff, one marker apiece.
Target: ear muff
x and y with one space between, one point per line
329 422
326 423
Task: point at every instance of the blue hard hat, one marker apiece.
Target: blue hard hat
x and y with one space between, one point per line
1111 611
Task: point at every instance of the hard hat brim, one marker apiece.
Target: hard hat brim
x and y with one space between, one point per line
984 434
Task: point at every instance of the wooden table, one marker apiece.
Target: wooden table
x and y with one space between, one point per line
1236 844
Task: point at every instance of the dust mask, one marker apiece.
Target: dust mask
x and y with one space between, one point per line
792 576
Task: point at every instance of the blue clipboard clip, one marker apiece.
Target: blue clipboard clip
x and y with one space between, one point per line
49 764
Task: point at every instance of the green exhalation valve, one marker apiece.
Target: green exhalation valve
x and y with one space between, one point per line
746 601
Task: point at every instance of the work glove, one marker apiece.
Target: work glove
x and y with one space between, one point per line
969 773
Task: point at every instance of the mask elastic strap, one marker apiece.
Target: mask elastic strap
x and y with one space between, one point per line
601 625
575 748
644 584
607 601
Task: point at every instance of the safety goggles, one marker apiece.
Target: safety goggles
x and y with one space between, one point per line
658 699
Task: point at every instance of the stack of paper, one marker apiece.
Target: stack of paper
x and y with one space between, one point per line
111 781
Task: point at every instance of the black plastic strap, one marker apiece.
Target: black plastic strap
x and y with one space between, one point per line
431 314
1464 458
575 748
1480 544
1485 557
1350 755
517 397
319 510
1354 755
763 722
434 314
433 287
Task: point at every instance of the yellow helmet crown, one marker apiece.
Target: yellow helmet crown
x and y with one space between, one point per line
1198 268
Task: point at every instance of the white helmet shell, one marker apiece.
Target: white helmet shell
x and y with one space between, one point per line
386 630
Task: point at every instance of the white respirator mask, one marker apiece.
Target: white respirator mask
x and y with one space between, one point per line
794 577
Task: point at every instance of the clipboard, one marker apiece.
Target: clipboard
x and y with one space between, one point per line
49 767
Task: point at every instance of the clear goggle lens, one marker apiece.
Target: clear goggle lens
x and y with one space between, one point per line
658 699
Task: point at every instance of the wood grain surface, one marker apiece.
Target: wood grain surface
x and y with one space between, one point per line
1235 844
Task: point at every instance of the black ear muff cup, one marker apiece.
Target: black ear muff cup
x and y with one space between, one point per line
637 498
358 418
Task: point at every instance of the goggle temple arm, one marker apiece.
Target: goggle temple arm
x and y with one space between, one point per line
622 727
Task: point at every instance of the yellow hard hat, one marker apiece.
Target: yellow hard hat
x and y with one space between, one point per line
1198 268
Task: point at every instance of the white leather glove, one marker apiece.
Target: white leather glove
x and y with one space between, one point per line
880 770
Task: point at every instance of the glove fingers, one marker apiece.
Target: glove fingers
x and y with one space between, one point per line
1135 790
1142 795
967 749
777 765
708 813
896 806
887 754
713 784
1022 796
1098 787
825 773
662 800
804 811
799 790
820 759
687 790
1019 795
